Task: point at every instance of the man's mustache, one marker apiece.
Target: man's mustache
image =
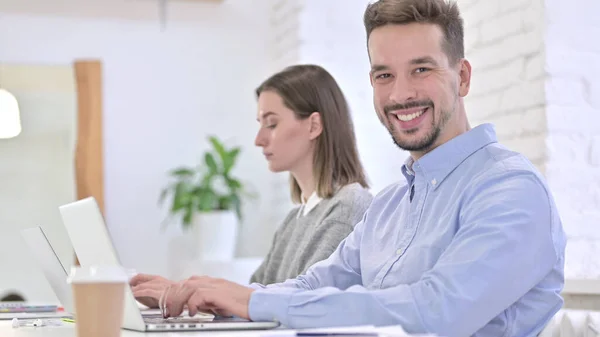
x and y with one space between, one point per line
414 104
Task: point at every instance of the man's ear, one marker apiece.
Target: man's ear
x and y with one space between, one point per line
315 125
465 78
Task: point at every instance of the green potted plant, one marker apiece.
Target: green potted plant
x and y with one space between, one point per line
207 199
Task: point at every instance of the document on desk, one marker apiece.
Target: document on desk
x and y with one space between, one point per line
19 315
357 331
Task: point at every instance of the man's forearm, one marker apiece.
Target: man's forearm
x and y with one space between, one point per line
296 283
328 307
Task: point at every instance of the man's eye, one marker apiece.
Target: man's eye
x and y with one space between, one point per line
383 76
421 70
271 126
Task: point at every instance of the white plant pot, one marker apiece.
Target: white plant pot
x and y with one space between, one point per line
216 235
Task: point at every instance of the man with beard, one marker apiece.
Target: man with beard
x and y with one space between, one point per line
468 243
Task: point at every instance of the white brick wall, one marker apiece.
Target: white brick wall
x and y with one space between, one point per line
536 76
285 39
285 46
573 115
505 47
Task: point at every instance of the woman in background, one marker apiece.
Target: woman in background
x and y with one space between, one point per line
305 129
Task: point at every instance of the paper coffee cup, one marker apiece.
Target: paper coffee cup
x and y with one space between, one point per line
98 294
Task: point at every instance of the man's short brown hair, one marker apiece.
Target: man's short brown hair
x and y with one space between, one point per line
443 13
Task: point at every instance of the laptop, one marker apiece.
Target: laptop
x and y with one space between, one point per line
47 260
45 255
92 244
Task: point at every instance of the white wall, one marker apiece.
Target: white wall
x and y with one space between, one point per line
538 79
164 92
504 43
36 175
573 119
283 48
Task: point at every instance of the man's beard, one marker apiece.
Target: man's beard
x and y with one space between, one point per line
422 145
425 143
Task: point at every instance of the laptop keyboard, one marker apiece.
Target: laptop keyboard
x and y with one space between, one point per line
176 320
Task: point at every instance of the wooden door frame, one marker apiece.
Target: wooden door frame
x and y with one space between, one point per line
89 156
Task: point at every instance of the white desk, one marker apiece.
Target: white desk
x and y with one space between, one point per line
6 330
68 330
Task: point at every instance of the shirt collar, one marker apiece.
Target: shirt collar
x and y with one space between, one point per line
309 204
436 165
407 170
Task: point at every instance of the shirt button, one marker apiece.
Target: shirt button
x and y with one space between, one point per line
399 252
433 182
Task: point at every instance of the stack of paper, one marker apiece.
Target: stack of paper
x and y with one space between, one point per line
356 331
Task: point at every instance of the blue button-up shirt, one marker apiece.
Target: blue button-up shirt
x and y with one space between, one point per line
478 250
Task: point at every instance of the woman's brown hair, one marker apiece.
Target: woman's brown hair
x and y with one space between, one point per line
310 88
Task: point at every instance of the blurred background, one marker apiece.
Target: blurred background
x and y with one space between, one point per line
175 73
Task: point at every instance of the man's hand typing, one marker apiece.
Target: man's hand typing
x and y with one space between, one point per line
207 294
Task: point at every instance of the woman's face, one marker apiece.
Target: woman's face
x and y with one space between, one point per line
286 141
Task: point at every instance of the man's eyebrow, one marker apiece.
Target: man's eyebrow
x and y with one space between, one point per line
378 67
423 60
415 61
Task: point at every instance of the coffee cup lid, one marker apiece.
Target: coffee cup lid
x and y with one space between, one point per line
98 274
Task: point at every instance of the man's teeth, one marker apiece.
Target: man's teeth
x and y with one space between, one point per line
406 118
